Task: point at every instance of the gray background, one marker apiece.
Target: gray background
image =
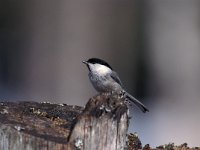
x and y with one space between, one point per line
154 46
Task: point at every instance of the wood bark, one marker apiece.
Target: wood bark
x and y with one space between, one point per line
101 125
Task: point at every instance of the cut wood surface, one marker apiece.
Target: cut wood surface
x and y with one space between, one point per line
101 125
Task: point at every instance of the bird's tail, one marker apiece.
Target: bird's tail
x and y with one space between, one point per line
136 102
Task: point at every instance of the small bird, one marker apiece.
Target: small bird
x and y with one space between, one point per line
105 80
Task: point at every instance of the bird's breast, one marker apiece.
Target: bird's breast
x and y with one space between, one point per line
103 83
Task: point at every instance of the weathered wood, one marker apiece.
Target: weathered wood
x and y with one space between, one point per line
102 126
35 126
42 126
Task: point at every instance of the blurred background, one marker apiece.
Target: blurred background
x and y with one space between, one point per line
154 46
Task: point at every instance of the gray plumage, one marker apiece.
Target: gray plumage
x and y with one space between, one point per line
104 79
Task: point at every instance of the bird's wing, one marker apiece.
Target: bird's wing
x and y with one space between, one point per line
136 102
115 77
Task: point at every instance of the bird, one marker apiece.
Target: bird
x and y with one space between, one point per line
105 80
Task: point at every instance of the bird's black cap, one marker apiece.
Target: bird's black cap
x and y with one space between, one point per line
98 61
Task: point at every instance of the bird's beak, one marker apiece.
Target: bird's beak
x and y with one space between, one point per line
85 62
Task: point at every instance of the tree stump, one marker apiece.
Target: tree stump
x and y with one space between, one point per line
101 125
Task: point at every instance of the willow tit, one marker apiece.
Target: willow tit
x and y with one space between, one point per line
105 80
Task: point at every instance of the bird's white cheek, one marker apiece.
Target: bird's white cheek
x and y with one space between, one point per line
102 69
